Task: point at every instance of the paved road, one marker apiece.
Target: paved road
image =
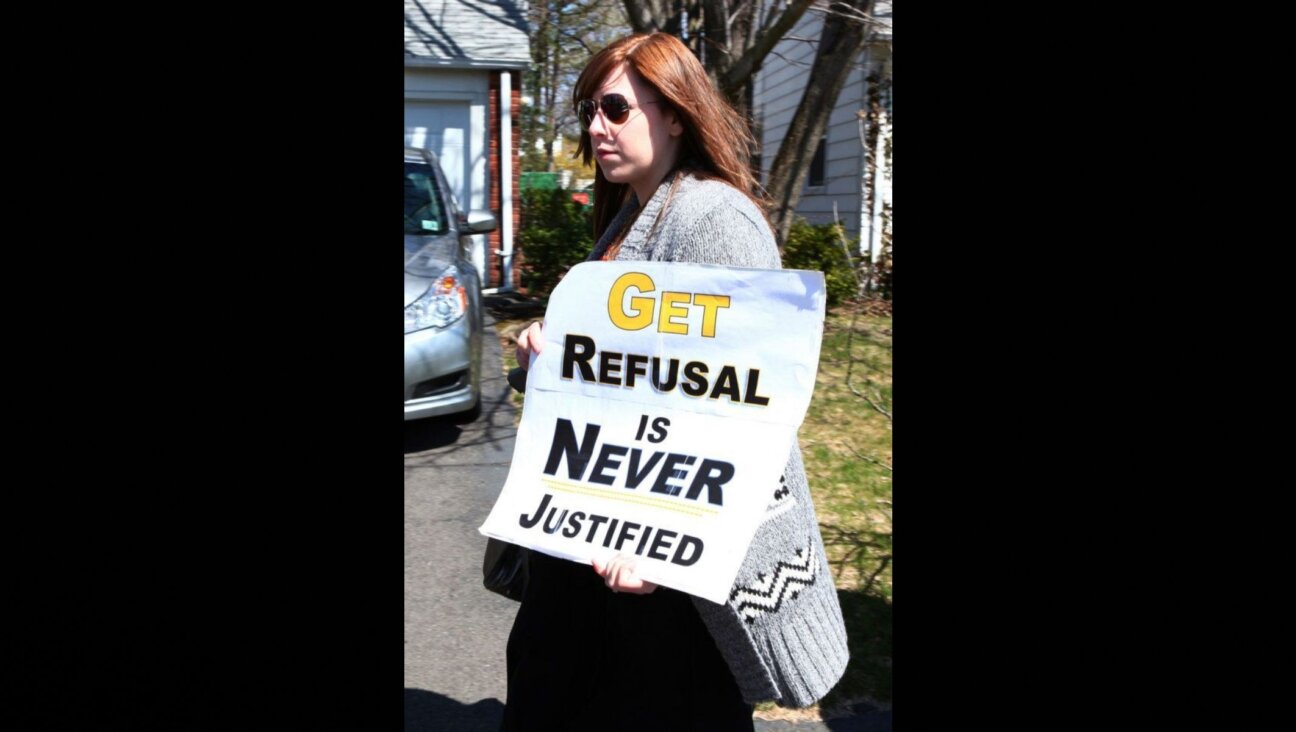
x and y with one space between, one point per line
455 630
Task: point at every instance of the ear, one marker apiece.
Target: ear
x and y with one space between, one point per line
674 125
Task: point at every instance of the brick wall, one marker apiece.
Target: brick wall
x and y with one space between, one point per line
493 260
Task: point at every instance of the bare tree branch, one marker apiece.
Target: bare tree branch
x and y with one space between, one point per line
841 239
578 37
875 461
750 62
857 65
738 9
881 568
844 10
871 403
644 15
850 367
840 42
790 62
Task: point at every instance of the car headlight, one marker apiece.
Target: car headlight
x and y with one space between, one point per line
445 302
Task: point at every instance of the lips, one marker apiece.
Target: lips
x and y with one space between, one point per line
602 153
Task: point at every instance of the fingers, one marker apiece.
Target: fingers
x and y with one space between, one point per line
535 339
616 578
529 344
618 574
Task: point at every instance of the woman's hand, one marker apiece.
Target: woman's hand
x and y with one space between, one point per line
618 574
529 343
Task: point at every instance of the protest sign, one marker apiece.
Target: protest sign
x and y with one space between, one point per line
659 416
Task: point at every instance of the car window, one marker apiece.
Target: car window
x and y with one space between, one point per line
424 213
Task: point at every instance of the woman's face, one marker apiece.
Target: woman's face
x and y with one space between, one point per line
642 148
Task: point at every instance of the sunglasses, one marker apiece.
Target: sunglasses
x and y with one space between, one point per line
615 109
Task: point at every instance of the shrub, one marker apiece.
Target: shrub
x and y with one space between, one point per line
883 274
819 248
555 235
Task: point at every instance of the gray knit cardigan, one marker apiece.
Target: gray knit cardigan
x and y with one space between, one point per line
781 630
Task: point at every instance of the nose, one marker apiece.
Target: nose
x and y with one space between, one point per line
598 125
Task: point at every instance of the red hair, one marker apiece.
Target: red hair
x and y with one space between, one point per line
716 142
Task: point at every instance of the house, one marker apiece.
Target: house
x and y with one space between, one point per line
464 61
841 182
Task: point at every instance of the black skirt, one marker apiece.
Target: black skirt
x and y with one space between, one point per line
581 657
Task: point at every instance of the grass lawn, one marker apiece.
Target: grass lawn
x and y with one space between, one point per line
846 442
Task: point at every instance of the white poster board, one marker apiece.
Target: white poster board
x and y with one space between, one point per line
659 416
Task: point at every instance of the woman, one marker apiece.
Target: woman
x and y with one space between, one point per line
604 649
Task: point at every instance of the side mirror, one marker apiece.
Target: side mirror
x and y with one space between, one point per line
477 222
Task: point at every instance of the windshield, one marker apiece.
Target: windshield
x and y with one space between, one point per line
423 211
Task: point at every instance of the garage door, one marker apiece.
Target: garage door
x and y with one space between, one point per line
442 127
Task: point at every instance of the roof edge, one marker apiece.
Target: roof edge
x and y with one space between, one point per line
428 62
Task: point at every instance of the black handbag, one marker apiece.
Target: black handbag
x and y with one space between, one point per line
504 569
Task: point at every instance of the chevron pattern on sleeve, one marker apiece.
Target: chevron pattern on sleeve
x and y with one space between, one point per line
767 593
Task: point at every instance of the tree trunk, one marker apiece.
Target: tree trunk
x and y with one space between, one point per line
840 43
733 38
746 61
647 16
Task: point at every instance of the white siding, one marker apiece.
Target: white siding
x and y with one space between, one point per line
781 82
779 88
